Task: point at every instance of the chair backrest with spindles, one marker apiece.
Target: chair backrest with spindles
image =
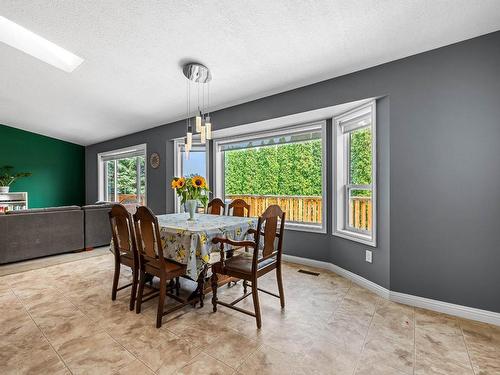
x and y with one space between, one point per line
122 230
216 207
240 208
148 235
270 227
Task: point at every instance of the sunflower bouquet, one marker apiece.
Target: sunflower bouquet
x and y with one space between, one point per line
191 188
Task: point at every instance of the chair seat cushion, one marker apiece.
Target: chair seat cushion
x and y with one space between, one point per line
127 259
243 263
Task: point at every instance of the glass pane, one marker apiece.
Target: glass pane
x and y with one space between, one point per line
196 164
127 180
110 181
360 209
286 174
142 177
360 157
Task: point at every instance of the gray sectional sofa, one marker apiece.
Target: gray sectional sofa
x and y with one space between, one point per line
97 231
34 233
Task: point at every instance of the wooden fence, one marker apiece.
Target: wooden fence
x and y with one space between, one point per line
360 213
298 208
308 209
129 198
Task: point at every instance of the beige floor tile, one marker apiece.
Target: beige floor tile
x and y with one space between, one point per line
430 363
266 360
158 348
135 368
329 326
204 364
379 368
96 354
483 344
32 355
395 353
436 322
442 345
327 359
231 348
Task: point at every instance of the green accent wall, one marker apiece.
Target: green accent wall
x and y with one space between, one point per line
58 167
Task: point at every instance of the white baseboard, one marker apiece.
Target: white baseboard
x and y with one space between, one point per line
407 299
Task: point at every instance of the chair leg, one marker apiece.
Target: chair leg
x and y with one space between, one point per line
161 300
214 281
133 293
255 296
177 286
280 286
116 276
245 285
142 281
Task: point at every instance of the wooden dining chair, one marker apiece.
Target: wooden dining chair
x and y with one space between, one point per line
152 262
239 207
270 227
124 249
216 207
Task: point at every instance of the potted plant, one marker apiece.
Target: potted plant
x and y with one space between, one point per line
191 190
7 177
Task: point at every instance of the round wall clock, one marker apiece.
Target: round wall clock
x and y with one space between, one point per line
154 160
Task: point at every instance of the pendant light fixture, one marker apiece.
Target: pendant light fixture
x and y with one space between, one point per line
201 75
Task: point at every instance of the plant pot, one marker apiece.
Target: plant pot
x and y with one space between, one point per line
4 189
191 206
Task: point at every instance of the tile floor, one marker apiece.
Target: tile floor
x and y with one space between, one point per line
61 320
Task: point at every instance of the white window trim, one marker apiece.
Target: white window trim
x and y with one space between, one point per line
178 144
284 129
102 156
339 174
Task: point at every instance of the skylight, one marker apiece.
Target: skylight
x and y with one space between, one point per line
27 41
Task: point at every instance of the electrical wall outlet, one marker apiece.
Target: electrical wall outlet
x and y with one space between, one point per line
368 256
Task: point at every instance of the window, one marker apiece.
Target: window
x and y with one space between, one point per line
284 167
354 175
195 164
122 175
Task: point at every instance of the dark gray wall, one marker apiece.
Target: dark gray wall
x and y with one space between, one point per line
438 129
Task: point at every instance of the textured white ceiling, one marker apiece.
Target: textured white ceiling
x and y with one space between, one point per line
131 77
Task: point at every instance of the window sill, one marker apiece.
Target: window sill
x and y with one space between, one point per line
305 227
356 237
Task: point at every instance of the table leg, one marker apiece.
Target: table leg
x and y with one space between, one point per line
198 293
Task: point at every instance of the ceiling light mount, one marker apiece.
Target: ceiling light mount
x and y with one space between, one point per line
196 72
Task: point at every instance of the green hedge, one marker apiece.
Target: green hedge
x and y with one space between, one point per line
292 169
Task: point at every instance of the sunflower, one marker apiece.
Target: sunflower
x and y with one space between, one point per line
198 182
181 182
178 183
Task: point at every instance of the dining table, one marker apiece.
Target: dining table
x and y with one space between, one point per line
189 242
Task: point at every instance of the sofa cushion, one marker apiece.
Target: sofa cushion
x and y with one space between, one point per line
97 206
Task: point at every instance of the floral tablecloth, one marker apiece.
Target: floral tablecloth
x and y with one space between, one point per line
190 242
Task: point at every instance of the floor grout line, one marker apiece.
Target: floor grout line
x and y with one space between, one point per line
466 347
414 340
366 336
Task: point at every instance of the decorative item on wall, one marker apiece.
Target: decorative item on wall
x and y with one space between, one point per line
154 160
7 177
192 190
200 74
